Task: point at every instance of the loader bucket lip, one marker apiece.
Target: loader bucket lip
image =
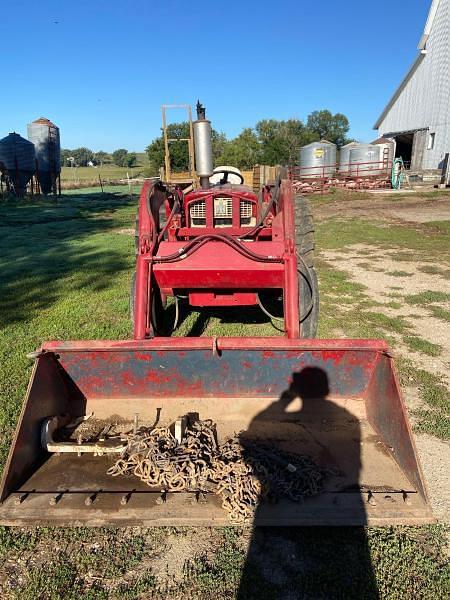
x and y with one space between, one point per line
224 343
233 381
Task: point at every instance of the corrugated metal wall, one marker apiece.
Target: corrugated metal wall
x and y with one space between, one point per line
425 100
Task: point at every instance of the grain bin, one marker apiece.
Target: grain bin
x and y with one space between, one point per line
387 152
365 160
17 156
45 136
318 159
344 157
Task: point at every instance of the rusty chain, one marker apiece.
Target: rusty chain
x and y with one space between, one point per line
241 471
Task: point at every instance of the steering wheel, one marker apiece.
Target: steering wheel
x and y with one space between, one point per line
226 173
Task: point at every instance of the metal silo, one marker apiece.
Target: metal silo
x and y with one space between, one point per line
318 159
365 160
45 136
17 158
344 157
387 152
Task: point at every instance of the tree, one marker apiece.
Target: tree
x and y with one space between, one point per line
281 140
179 151
82 156
119 157
101 157
65 154
242 152
327 126
130 159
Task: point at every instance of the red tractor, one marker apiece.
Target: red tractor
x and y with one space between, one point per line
218 246
223 245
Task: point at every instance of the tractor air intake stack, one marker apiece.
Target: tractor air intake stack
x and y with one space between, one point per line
203 147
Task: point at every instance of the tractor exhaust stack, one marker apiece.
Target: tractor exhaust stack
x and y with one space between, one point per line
203 147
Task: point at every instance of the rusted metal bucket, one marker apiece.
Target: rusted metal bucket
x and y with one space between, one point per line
337 400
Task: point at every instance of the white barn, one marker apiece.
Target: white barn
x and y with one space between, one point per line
417 116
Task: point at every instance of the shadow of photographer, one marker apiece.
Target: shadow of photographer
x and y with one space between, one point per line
323 561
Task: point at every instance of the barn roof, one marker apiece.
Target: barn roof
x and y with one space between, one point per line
422 52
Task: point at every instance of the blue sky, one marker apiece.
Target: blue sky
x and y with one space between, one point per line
100 69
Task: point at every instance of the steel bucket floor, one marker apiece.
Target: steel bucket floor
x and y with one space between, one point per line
369 488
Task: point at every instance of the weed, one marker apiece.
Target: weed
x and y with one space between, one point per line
410 562
440 313
337 233
434 417
428 297
418 344
434 423
430 269
399 274
393 304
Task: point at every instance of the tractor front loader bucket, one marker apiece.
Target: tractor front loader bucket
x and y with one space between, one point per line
337 401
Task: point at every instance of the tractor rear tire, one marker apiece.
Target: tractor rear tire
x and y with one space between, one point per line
308 284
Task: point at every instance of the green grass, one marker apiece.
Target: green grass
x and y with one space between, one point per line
393 304
65 274
418 344
434 417
65 271
443 226
106 172
426 298
440 313
430 269
399 273
334 234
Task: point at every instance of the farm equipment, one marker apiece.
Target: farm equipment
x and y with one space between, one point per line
166 430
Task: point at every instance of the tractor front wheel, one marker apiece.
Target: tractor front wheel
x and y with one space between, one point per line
164 320
308 284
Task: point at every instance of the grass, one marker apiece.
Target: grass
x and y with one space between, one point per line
65 272
430 269
434 417
399 274
426 298
106 172
335 234
418 344
440 313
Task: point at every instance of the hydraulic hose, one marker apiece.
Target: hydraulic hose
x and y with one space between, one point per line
273 200
175 320
195 244
305 274
175 208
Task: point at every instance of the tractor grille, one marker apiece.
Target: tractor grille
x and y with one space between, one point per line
246 213
223 212
197 213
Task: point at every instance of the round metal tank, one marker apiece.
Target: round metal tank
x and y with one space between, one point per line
344 157
318 159
365 160
17 156
387 152
45 136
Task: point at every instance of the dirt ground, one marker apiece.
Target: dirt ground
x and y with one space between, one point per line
389 281
389 207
